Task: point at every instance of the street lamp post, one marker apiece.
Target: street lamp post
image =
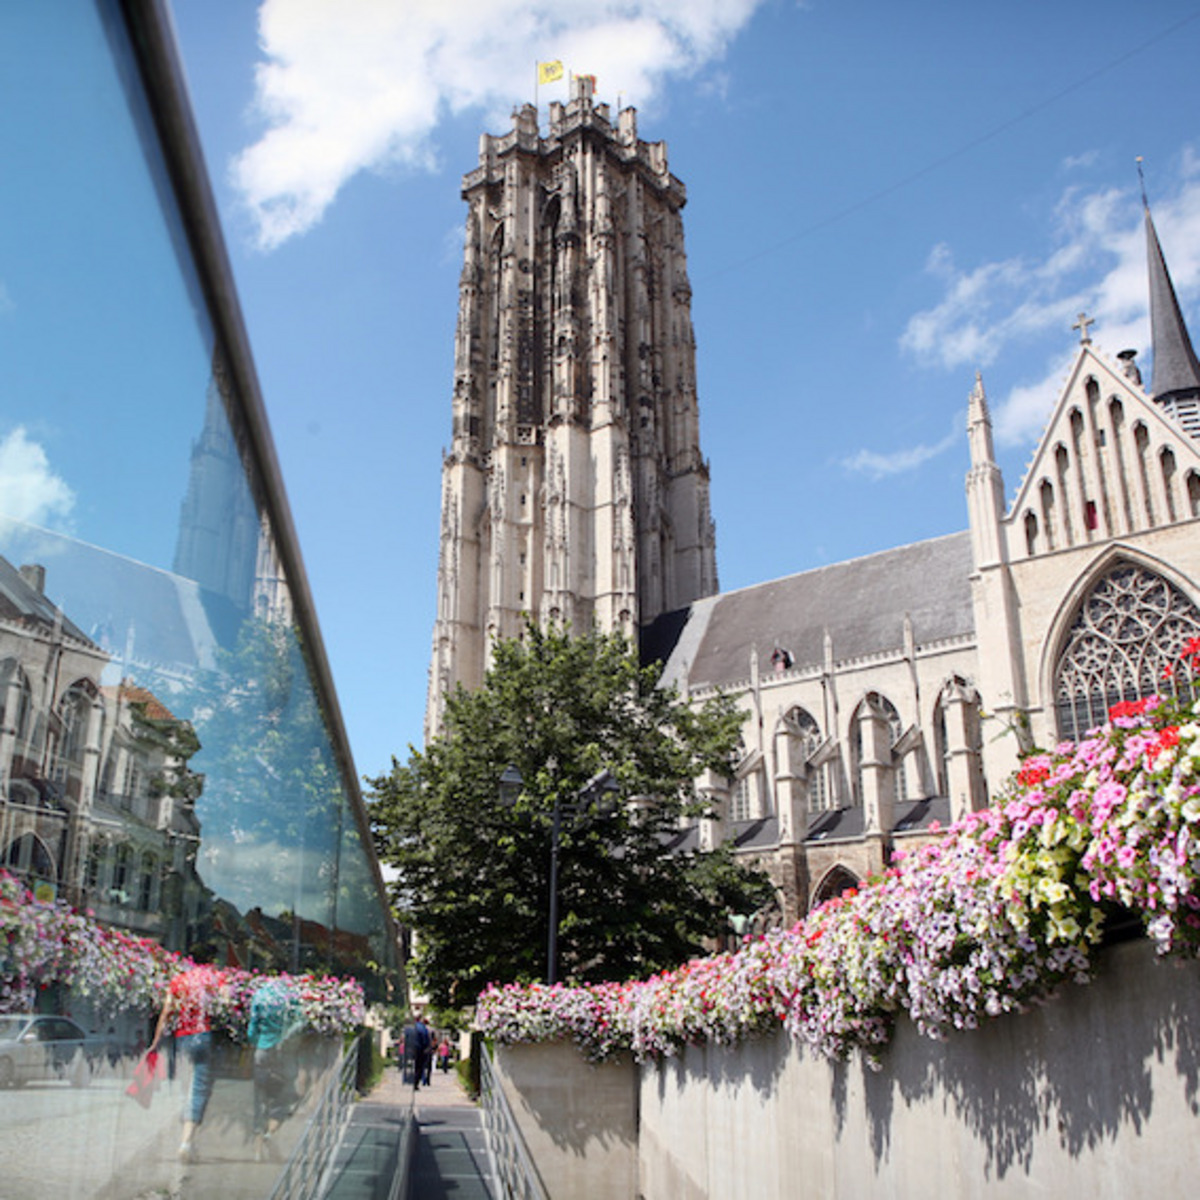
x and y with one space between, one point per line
600 784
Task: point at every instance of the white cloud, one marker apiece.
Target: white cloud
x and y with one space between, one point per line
346 88
29 489
878 466
1020 417
1076 162
1097 264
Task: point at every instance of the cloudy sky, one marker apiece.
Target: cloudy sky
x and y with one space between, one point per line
883 199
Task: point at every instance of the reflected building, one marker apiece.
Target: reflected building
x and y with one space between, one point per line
172 758
97 801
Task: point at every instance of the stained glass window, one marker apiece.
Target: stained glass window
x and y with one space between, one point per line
1121 646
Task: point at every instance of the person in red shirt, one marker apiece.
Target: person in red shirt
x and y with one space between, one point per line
187 1012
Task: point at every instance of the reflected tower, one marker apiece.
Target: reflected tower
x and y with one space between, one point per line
574 489
225 543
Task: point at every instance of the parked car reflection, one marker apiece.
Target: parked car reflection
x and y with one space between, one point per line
36 1047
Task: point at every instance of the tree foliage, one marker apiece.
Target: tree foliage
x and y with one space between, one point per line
473 873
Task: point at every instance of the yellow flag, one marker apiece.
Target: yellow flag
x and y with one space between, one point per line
548 72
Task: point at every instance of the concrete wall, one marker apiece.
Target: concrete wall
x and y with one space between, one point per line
579 1121
1095 1094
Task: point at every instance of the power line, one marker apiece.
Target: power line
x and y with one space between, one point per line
937 163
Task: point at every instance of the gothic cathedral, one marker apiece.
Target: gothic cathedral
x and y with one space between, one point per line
884 696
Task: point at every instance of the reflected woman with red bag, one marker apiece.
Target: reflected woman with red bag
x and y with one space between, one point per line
187 1012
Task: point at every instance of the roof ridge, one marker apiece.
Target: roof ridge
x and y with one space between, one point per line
844 562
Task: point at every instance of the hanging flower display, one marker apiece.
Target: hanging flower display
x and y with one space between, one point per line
992 917
42 945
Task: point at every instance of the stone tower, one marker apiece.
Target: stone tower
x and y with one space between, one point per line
574 489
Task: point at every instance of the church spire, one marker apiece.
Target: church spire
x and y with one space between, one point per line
1176 370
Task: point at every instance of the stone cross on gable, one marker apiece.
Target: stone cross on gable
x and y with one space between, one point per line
1085 338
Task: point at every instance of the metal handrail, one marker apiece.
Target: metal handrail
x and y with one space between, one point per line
304 1175
514 1169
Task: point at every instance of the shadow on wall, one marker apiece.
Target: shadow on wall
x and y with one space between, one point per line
757 1063
1083 1070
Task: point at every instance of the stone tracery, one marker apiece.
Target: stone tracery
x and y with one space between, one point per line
1124 641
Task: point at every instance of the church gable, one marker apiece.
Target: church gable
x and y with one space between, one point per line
1110 463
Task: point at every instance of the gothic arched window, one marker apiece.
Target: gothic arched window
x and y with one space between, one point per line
75 711
15 691
802 724
27 855
741 798
837 881
1129 629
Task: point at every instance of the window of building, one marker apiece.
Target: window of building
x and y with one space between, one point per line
959 692
74 714
880 706
800 724
741 798
835 882
1128 631
14 694
27 856
146 880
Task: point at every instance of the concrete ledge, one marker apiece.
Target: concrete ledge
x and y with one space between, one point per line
579 1121
1095 1094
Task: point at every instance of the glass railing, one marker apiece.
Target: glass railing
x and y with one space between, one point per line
172 761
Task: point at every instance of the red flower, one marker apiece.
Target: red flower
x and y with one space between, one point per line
1167 740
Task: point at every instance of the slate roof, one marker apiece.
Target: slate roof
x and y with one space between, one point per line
1175 367
19 601
911 816
861 603
832 825
165 619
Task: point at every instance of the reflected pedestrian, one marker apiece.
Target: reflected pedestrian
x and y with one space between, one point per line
274 1017
187 1013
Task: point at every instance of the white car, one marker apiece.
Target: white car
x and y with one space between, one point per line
39 1046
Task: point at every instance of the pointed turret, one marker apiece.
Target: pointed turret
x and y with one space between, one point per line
985 484
1176 373
979 426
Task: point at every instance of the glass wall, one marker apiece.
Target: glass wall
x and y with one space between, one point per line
172 763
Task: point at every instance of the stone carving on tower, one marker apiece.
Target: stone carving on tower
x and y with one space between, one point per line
574 489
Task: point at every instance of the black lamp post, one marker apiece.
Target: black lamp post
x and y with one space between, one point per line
602 784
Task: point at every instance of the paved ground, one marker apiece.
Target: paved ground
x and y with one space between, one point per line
450 1157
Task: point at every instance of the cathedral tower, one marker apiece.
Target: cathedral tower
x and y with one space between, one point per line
574 489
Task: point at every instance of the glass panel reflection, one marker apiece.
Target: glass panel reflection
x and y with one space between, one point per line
166 761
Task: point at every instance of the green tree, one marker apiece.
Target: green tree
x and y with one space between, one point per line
473 872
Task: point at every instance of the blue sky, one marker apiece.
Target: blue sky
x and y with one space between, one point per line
883 198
